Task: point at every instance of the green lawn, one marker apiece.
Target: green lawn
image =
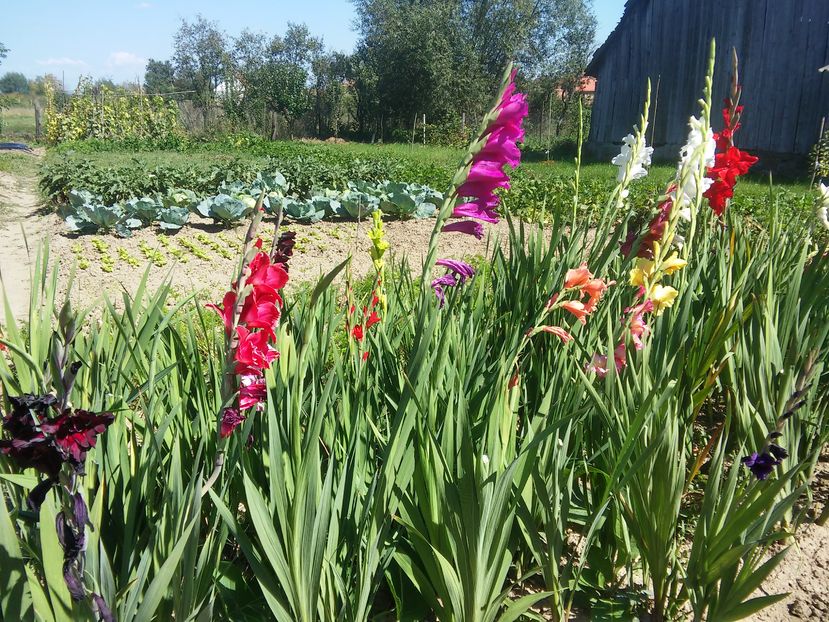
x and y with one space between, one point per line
17 117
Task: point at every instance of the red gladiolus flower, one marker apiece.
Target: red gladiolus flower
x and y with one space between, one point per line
260 312
262 273
357 332
728 166
729 162
225 310
372 320
253 353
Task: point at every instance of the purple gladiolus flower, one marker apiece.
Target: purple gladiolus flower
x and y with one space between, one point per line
470 227
760 464
461 269
778 452
458 273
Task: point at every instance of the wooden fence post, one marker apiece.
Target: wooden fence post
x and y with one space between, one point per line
37 118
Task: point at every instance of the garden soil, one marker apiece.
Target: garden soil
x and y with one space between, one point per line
804 573
19 225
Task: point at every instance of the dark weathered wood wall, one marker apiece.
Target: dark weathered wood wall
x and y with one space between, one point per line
781 45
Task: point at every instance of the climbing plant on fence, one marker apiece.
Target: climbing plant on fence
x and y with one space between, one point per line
103 112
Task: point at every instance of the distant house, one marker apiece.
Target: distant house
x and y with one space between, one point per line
781 44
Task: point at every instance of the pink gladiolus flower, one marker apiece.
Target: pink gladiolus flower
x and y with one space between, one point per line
637 325
470 227
500 149
253 353
559 332
576 308
598 365
577 277
231 419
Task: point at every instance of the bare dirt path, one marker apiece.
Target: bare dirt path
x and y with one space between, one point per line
19 235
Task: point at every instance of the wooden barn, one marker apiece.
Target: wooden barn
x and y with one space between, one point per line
781 44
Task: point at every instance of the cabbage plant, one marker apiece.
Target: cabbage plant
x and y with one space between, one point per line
173 218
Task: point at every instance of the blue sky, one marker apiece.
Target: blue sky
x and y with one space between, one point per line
115 38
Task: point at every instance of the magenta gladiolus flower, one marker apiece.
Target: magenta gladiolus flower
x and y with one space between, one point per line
477 211
487 174
470 227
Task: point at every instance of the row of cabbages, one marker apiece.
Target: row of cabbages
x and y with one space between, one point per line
235 201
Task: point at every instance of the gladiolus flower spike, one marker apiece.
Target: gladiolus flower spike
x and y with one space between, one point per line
497 148
250 328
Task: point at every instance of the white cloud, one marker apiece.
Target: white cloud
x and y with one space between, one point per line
125 59
144 6
63 60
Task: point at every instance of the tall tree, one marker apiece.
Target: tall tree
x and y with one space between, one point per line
159 77
14 82
443 57
3 52
200 60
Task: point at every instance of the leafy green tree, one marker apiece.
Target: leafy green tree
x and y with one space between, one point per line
3 51
159 77
271 76
443 57
14 82
200 60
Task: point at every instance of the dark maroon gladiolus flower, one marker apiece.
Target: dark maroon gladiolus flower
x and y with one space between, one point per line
231 419
284 249
44 442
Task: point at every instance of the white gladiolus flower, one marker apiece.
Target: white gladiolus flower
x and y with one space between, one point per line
695 141
823 205
637 153
695 156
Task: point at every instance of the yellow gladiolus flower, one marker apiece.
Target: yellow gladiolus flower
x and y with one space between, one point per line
642 271
662 297
672 264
